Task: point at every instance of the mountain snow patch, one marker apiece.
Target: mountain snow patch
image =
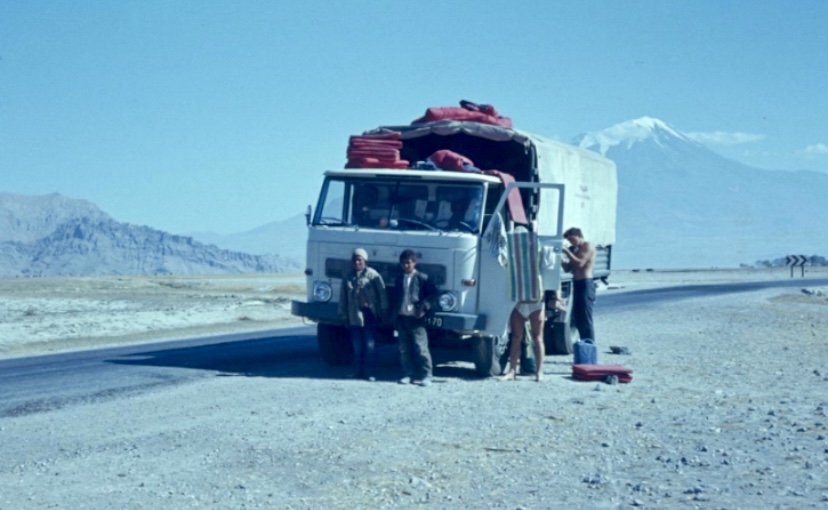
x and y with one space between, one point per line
628 133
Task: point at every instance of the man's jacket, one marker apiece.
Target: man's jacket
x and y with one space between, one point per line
421 292
363 290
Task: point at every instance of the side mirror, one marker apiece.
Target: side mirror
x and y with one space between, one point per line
308 216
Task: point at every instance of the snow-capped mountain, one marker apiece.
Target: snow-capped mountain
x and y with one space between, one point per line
627 134
682 205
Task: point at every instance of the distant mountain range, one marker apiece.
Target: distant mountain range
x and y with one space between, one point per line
286 237
680 205
53 235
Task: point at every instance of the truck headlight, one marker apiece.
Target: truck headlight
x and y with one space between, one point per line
322 291
447 301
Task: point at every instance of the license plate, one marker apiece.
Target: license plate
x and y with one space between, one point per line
434 322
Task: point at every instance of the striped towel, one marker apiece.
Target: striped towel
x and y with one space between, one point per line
524 273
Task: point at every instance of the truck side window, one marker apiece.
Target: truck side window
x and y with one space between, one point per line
332 208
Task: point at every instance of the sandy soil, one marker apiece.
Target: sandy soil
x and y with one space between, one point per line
42 315
727 410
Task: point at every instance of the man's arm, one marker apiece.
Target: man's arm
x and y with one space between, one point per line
382 293
584 257
429 292
565 264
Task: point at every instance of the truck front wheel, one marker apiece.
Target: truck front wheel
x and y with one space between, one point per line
334 344
487 352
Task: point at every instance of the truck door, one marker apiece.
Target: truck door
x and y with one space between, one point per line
550 233
494 300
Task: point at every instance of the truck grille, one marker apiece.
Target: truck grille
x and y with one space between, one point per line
338 268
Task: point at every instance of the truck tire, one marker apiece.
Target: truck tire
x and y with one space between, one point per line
560 334
334 344
487 352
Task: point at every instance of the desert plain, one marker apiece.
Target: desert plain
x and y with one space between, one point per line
46 315
727 409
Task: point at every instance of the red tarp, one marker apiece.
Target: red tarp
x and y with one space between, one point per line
449 160
376 163
466 111
514 200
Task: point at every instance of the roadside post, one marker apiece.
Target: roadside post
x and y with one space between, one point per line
793 261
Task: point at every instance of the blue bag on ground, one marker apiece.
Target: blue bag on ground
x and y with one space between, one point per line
585 352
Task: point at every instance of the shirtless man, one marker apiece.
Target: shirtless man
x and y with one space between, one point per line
581 260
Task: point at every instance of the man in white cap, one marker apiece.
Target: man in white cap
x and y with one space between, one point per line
362 303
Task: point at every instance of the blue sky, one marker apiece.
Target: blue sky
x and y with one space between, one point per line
216 116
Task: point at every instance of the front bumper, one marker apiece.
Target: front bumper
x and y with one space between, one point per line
329 313
319 312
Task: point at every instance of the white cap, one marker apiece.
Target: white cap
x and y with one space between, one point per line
360 252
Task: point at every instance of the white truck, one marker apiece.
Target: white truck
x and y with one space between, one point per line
386 211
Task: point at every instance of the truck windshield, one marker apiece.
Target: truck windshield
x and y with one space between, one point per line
400 205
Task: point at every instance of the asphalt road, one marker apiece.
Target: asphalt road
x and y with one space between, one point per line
625 300
41 383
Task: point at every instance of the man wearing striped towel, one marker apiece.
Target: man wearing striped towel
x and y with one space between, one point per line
526 288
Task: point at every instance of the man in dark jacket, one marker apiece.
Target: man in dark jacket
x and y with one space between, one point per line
413 292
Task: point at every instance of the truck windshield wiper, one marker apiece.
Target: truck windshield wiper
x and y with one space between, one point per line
417 223
331 222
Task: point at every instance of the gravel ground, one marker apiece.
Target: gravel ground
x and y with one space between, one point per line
727 409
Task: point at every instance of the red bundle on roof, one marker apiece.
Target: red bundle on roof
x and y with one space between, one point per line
393 135
449 160
375 151
376 163
468 111
394 144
